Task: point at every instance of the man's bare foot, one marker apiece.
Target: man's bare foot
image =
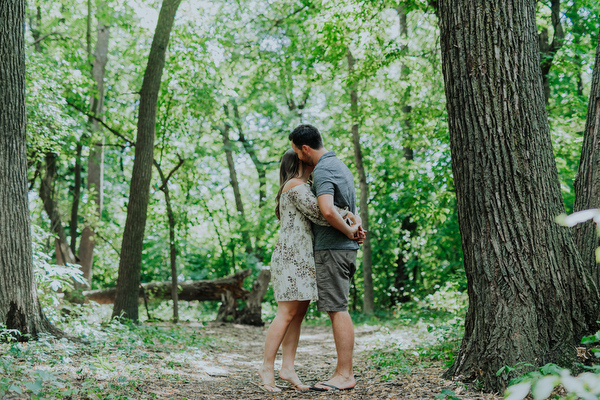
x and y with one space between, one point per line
292 377
340 382
267 375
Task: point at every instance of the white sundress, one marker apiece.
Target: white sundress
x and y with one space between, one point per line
293 261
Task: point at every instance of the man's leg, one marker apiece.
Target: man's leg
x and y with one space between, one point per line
343 335
336 268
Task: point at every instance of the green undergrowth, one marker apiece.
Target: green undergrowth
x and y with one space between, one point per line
436 326
116 360
553 381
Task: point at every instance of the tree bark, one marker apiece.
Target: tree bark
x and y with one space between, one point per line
19 305
210 290
252 313
367 266
95 181
172 244
133 237
530 300
587 182
239 205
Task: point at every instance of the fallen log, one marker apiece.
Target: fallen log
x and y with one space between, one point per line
209 290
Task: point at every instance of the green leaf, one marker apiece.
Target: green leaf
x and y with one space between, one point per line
504 370
15 388
550 369
35 387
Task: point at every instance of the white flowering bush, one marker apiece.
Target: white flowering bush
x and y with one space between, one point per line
579 217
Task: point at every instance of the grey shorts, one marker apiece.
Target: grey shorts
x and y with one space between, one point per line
335 269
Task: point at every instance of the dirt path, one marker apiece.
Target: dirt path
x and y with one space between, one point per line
227 368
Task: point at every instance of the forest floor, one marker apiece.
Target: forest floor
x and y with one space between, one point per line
230 370
219 361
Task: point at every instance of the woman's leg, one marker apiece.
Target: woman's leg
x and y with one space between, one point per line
286 311
289 346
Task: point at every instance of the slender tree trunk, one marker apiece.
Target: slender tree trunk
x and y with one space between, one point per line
76 196
530 300
96 158
587 183
239 205
37 31
261 170
369 297
133 237
63 251
548 49
402 278
578 30
19 305
405 75
172 244
88 31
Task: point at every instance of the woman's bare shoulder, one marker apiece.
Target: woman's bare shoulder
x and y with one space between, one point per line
292 183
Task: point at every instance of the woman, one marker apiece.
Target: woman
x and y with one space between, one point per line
293 268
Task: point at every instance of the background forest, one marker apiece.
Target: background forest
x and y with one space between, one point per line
237 78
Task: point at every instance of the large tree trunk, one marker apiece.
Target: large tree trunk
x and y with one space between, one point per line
19 305
239 205
95 181
587 183
133 237
530 300
210 290
367 265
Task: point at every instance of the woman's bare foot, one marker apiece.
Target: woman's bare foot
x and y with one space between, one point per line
291 377
267 375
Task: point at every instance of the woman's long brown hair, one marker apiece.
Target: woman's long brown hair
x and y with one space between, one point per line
290 165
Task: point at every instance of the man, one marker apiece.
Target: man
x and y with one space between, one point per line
335 247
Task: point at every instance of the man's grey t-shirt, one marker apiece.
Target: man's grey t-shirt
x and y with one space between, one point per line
331 176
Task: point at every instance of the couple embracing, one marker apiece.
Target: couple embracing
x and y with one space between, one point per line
315 257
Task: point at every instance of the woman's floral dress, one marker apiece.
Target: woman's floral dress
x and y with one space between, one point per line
293 261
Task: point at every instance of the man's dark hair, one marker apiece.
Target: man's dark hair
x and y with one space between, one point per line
306 134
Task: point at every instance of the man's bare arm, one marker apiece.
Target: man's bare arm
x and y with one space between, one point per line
332 216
